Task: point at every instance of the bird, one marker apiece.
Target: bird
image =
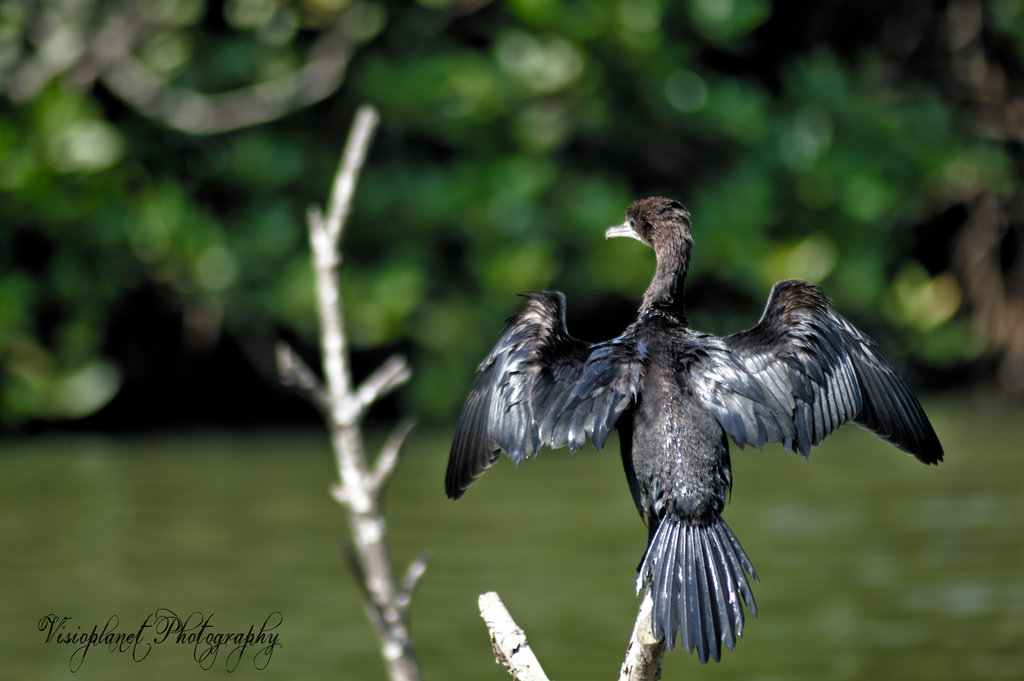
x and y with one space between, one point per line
676 396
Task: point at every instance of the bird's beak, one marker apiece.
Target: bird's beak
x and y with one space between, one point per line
625 229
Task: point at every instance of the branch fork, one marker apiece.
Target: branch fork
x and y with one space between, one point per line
360 488
644 654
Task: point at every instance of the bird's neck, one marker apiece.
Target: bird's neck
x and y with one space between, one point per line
666 291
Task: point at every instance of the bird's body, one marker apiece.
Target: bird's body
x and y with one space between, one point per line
679 454
675 395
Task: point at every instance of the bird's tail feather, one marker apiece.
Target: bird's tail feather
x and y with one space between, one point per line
697 576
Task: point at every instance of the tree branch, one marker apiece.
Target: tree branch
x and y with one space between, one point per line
384 467
508 640
644 654
348 172
388 376
411 579
359 490
202 114
295 373
325 237
98 44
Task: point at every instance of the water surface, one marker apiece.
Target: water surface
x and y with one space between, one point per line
872 565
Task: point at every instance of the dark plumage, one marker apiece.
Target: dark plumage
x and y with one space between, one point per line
674 394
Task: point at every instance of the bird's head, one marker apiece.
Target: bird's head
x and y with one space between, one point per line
664 225
655 221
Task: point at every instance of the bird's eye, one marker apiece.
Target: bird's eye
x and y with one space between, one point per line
632 223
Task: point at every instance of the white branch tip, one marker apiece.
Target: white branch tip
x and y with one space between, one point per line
509 641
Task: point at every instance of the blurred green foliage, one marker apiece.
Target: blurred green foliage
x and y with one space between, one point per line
838 143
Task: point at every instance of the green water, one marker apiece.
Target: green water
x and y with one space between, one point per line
872 566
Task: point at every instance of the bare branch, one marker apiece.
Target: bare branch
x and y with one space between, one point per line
351 162
338 492
324 235
359 490
295 373
99 43
388 376
201 114
508 640
373 611
645 654
412 578
386 617
384 467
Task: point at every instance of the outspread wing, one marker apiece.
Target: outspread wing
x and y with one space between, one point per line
815 372
749 413
540 386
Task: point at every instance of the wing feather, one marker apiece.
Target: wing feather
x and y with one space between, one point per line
746 407
817 371
540 386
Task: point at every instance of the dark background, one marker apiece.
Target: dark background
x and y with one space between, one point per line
152 237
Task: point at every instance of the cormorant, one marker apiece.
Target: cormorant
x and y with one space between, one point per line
674 394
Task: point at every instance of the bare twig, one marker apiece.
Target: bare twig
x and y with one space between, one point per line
100 42
351 162
338 492
644 654
359 490
202 114
325 242
508 640
373 612
296 373
388 376
388 457
412 578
